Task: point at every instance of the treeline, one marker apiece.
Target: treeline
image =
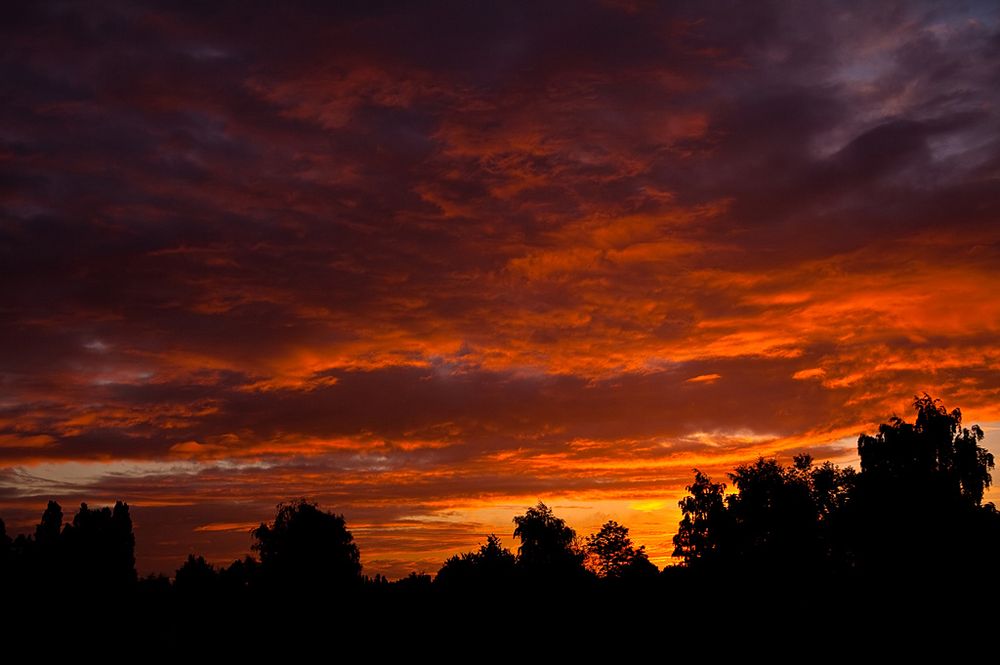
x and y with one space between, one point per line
911 518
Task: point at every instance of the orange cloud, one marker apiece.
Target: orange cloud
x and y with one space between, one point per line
573 263
704 378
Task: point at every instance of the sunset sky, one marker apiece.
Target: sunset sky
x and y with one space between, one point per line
430 263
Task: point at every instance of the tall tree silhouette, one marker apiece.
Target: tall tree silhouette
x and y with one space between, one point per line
95 552
48 530
99 548
548 547
704 520
935 455
43 557
917 505
306 549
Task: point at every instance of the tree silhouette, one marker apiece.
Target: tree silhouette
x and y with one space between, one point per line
99 547
48 530
935 455
774 522
829 485
196 577
96 551
492 567
307 549
615 557
241 576
548 546
915 507
917 504
699 535
780 521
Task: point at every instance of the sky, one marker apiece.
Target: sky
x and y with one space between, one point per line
430 263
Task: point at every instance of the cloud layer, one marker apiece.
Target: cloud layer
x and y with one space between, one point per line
430 264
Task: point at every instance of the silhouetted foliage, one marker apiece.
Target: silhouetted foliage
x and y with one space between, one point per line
548 546
95 552
935 455
99 547
196 576
48 530
917 505
414 583
492 567
704 517
240 576
378 582
6 545
154 586
776 518
910 522
781 519
614 556
307 549
914 507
